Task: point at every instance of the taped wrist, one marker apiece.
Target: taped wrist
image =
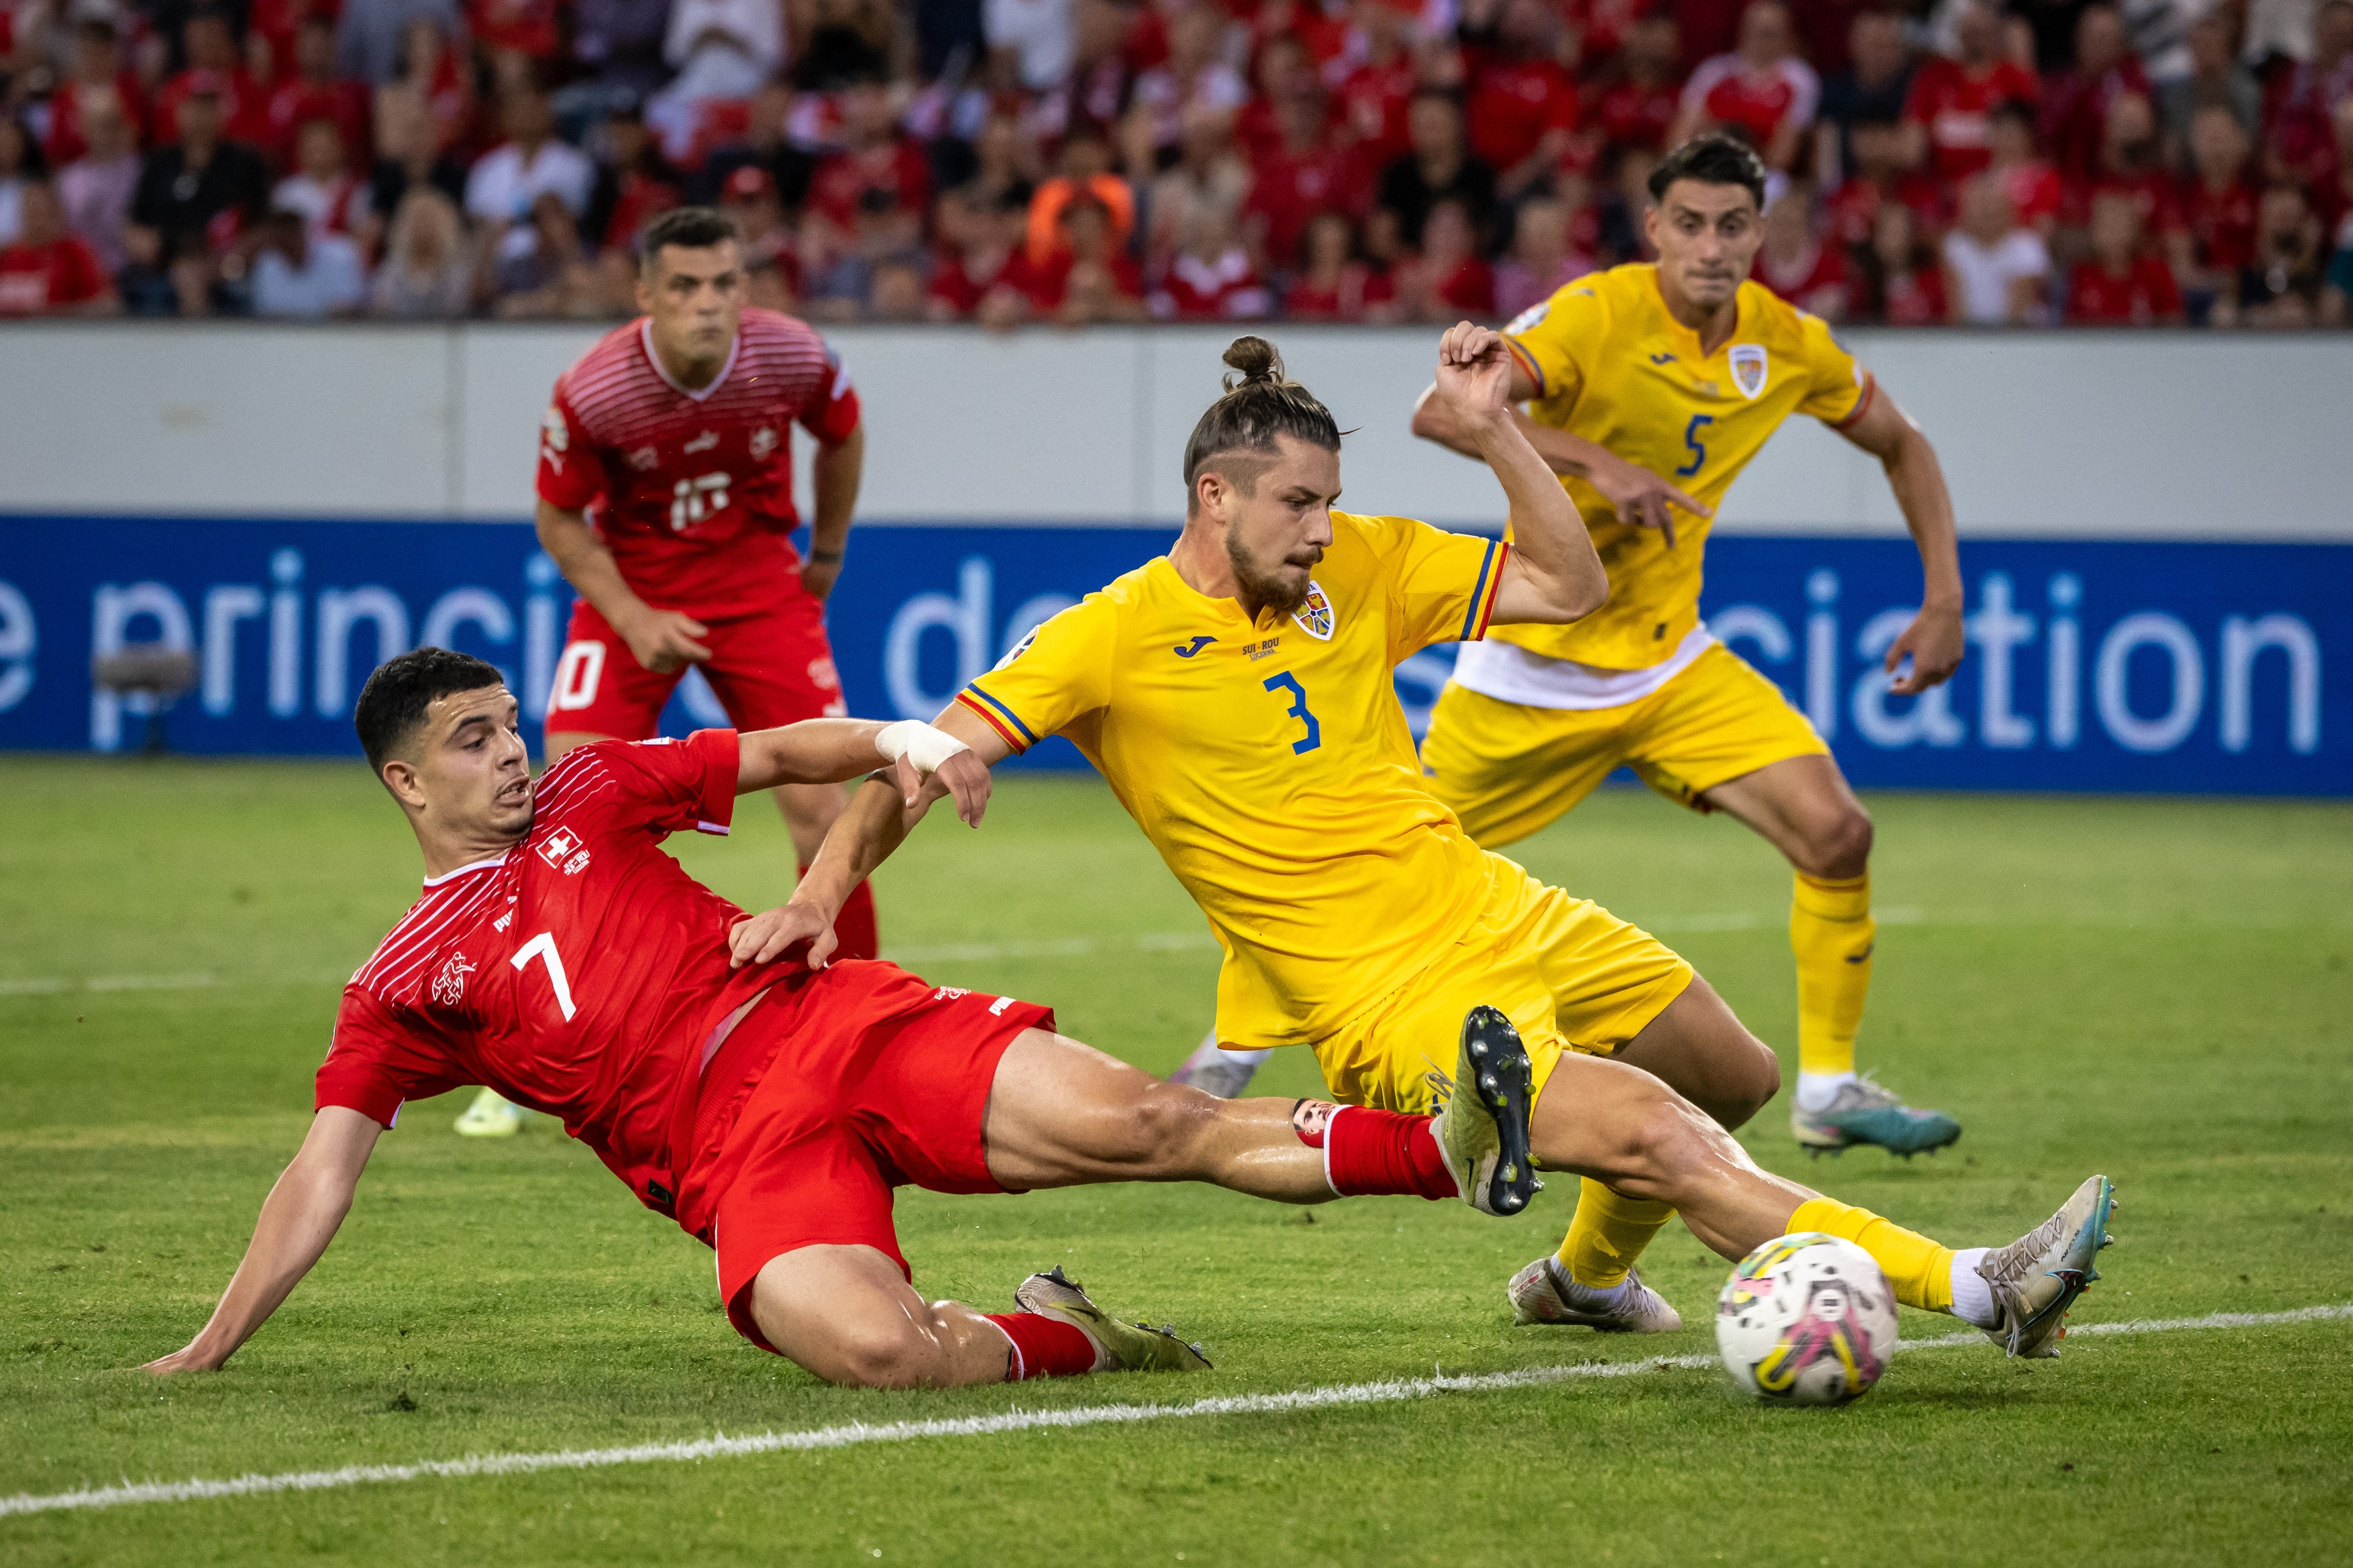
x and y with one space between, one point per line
924 746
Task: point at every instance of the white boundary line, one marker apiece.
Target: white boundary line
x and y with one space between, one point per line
721 1446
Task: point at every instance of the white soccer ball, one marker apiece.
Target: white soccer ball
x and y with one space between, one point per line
1806 1320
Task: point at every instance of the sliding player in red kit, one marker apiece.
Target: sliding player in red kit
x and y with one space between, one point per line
558 955
666 496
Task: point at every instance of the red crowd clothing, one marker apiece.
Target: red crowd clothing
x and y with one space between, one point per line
1956 104
2221 224
692 490
1629 113
2035 191
1815 281
67 141
1915 298
2152 193
1288 190
1468 288
1853 210
2142 295
1048 284
2075 115
1372 101
1345 298
245 115
1728 91
1200 289
344 102
1514 104
37 278
899 173
527 27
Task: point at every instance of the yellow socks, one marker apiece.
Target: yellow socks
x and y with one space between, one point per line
1830 930
1609 1232
1919 1271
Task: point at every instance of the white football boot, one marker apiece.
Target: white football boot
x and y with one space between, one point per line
491 1115
2037 1277
1544 1294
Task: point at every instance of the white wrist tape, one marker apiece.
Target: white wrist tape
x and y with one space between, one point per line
925 747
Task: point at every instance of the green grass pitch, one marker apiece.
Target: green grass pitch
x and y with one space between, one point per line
2156 989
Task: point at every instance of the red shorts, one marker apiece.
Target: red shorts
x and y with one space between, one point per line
881 1082
769 666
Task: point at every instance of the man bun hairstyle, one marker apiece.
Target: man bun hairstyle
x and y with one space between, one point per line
392 705
1713 158
1260 404
690 228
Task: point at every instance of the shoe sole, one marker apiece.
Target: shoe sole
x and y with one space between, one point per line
1504 1081
1837 1141
2075 1273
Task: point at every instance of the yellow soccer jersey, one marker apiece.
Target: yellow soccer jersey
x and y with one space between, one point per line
1270 764
1611 366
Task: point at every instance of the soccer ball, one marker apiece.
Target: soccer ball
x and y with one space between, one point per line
1806 1320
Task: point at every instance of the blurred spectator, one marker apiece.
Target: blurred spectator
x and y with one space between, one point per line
1094 90
1796 264
2282 286
1208 173
1282 77
1897 280
1084 174
430 83
633 183
20 165
838 42
1331 287
1098 282
1439 168
898 291
2130 163
210 45
298 273
2332 197
98 80
723 50
1523 106
876 162
2297 139
47 270
373 38
2035 191
506 182
1762 91
766 145
314 93
974 240
2214 77
951 40
195 198
542 271
1004 170
620 44
1872 86
96 188
2121 283
1637 106
1210 277
525 27
1542 258
427 275
1879 181
1449 280
1623 230
322 188
1375 91
749 198
409 156
2076 114
1035 39
2217 206
1194 83
1307 174
1998 268
1386 263
1951 104
1606 30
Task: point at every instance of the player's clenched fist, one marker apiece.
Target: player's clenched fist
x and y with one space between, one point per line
1475 372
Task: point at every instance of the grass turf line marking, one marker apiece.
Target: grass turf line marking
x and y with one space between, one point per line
1388 1392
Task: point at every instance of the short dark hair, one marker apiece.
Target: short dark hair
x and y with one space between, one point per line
391 704
1260 404
1712 158
689 228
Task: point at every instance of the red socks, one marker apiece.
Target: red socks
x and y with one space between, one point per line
1375 1154
1044 1346
854 934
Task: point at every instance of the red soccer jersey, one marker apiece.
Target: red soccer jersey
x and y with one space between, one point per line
1815 280
1957 108
37 278
1373 101
1631 115
898 174
1915 298
2221 224
1852 211
580 972
2152 192
1287 192
1729 91
1513 103
65 142
692 492
2141 296
344 102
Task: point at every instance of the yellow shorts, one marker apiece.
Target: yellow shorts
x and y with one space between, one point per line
1507 769
1568 973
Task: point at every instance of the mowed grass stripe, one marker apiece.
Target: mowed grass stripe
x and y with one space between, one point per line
718 1447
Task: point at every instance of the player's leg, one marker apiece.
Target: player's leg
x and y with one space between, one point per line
1623 1127
771 666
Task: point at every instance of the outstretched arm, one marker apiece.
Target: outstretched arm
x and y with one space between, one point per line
298 1219
835 750
1553 574
1934 640
876 822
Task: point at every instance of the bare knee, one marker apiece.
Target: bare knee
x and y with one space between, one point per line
1753 1077
1838 844
1162 1129
1667 1142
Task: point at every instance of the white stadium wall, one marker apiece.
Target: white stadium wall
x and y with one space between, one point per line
2157 437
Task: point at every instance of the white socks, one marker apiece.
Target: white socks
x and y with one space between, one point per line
1817 1090
1972 1297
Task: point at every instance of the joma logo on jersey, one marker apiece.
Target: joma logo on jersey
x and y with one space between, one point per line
562 848
1314 616
449 985
1195 645
1748 369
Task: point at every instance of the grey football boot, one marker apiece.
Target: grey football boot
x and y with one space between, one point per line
2037 1277
1544 1294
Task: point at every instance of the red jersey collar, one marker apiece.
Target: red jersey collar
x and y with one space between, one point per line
646 337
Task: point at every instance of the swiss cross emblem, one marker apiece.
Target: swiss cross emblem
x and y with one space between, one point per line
562 848
449 985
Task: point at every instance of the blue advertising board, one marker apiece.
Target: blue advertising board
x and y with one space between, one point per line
2092 666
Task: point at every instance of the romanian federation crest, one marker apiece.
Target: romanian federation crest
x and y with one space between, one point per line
1314 616
1748 369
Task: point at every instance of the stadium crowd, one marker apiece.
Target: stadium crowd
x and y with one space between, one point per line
1076 161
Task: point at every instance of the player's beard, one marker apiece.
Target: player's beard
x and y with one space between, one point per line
1266 593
